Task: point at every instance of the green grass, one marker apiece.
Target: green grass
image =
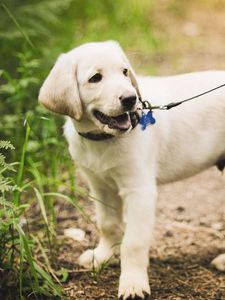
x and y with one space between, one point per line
17 261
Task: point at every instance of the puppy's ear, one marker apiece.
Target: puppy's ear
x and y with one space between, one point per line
132 76
134 82
59 93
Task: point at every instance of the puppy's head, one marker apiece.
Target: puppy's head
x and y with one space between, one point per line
93 82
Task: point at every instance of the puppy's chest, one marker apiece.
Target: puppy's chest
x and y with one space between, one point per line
99 158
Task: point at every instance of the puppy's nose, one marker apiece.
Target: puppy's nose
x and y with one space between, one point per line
128 102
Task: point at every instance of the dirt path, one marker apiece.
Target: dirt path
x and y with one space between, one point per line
190 227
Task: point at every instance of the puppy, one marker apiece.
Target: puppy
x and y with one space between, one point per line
95 86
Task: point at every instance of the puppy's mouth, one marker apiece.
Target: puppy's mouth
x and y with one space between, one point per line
121 122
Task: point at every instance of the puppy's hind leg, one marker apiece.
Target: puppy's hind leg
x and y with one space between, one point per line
219 261
110 225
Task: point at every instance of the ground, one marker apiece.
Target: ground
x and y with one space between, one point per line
190 227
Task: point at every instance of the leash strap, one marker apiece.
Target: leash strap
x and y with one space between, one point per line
148 119
174 104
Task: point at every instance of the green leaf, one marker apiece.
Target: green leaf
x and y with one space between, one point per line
28 253
42 205
56 288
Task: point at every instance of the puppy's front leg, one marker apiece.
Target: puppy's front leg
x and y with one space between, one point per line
110 225
136 243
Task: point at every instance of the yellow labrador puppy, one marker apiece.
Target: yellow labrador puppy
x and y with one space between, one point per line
95 86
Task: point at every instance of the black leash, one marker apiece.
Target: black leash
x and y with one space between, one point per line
148 118
147 105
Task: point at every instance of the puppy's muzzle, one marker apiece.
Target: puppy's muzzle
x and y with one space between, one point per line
128 102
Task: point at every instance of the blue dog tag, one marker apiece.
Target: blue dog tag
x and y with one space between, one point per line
146 119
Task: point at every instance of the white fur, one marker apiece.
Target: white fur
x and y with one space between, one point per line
123 172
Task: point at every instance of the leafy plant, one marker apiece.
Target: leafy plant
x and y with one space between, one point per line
18 265
25 267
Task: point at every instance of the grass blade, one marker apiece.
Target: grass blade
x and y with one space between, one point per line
27 251
21 165
42 206
75 204
57 290
47 263
13 19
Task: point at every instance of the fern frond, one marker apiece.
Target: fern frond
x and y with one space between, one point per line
6 186
5 202
6 145
2 160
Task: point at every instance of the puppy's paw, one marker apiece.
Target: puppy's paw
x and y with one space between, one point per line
146 297
96 258
134 287
87 259
219 262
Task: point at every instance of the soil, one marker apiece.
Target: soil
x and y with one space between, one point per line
190 227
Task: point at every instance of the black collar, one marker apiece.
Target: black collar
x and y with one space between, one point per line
134 116
96 136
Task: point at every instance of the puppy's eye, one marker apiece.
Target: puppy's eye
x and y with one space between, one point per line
96 78
125 72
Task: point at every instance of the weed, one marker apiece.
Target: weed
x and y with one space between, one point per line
17 262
